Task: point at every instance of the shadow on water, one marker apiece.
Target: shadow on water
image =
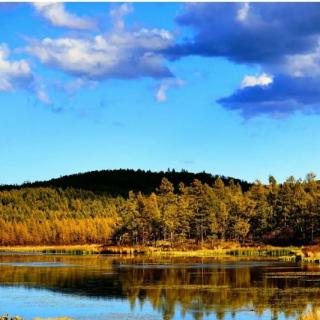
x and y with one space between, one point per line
197 286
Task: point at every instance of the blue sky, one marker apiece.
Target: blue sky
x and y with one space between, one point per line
229 88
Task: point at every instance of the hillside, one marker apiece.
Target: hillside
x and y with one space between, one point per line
95 207
121 181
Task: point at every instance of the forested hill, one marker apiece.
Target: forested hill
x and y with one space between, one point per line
78 209
121 181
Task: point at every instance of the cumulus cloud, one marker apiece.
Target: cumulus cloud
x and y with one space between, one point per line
280 98
282 39
271 31
14 74
165 85
120 53
129 55
17 75
56 14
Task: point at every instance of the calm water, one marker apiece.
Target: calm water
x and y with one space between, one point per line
104 287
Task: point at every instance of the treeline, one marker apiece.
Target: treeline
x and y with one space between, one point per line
121 181
230 289
287 213
59 232
284 214
37 216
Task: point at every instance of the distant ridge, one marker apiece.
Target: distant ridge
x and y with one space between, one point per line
121 181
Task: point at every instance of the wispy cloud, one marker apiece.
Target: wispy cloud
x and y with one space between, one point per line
188 162
74 85
43 96
242 13
57 15
165 85
117 14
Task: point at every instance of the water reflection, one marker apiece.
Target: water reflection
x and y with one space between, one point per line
202 288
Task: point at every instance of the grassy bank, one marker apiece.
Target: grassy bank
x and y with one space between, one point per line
68 249
309 254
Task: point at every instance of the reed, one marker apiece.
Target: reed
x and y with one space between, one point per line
70 249
311 260
130 250
292 254
272 252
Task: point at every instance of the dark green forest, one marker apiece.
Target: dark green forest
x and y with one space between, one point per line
121 181
141 208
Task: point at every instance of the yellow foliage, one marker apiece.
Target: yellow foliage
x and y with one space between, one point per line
311 315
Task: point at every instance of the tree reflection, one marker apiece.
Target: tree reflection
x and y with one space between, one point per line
201 287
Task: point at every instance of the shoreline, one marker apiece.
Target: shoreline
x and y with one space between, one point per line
294 254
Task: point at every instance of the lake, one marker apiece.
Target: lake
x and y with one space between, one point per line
111 287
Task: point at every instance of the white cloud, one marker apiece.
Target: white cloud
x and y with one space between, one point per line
13 74
17 75
43 96
262 80
165 85
78 83
301 65
58 16
119 54
118 13
242 13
